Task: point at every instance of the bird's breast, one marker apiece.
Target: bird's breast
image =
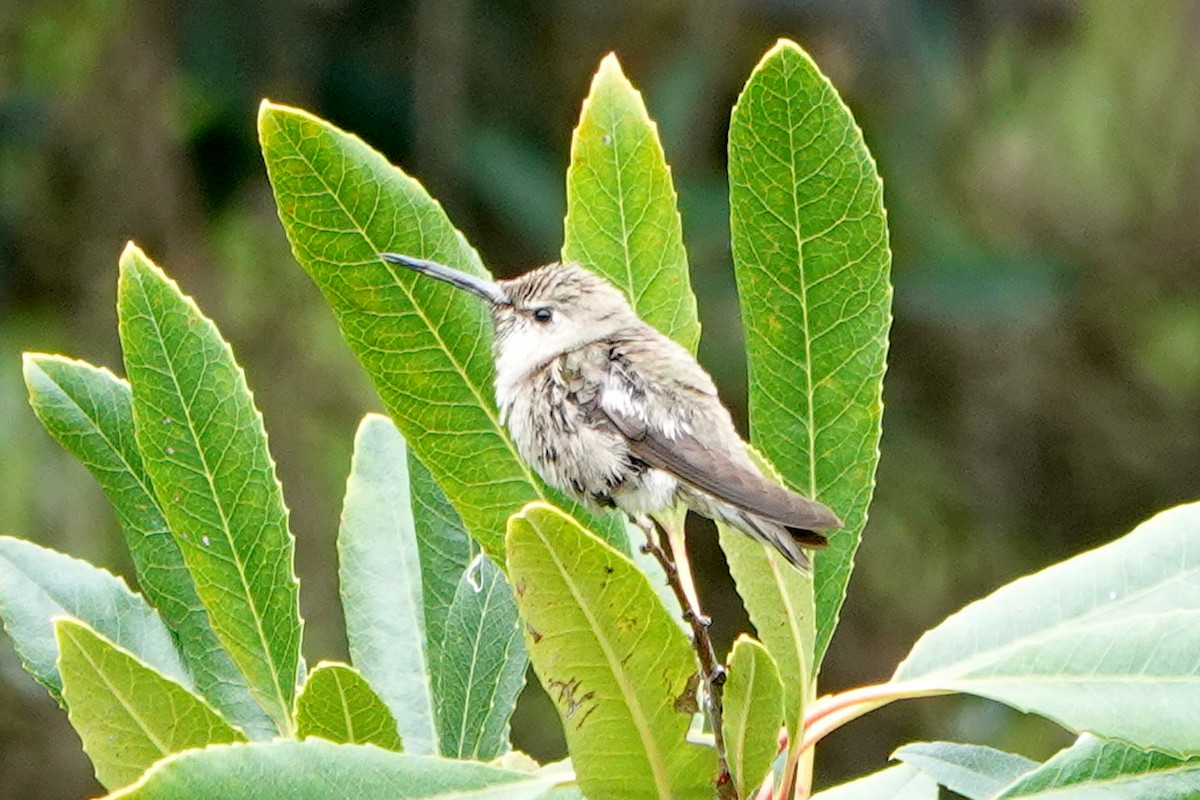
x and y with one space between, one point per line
557 431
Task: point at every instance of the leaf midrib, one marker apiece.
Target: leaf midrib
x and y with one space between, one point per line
810 427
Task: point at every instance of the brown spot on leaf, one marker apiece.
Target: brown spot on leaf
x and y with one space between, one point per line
686 702
570 698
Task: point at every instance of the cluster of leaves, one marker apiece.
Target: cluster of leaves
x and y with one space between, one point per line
196 687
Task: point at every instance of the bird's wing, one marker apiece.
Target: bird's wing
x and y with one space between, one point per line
716 473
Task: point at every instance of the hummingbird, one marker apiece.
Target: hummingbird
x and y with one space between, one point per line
613 413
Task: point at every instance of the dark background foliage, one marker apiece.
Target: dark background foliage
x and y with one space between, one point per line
1042 172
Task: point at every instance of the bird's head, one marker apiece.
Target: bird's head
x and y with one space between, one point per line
539 315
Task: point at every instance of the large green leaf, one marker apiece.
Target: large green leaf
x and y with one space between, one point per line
90 412
338 704
1095 769
319 770
753 714
1105 642
974 771
622 220
482 666
379 573
894 783
425 346
811 254
37 584
205 450
127 714
618 668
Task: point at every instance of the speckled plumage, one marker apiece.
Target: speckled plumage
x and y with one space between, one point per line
613 413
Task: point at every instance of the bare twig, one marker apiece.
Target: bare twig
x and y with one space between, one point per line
712 673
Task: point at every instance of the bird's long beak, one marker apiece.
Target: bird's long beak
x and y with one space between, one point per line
488 290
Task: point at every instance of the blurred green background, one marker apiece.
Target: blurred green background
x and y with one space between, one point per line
1041 161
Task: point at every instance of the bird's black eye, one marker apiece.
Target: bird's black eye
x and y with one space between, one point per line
543 314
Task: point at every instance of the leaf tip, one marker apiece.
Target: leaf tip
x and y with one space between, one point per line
265 107
610 65
134 261
374 421
66 628
610 74
31 367
132 253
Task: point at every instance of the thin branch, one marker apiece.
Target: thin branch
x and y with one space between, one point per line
712 673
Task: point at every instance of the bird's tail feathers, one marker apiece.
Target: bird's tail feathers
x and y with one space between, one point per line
784 540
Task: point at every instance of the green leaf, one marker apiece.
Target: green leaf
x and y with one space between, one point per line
974 771
379 572
622 217
315 769
427 347
90 412
618 668
38 584
779 600
482 667
811 254
1095 769
127 714
1086 641
338 704
894 783
444 547
753 714
205 451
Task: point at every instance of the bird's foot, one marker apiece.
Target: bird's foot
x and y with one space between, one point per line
703 620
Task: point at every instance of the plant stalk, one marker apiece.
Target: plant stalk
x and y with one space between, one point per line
712 673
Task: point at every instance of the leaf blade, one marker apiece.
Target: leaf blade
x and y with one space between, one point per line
128 715
1096 769
974 771
807 212
379 575
205 450
315 769
753 714
444 547
1084 640
483 663
337 703
90 412
594 631
622 216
